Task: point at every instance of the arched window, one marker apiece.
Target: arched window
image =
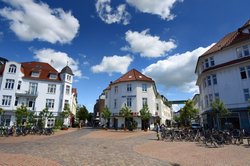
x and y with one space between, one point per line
12 69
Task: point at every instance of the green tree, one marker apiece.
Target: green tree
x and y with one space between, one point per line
82 113
22 113
218 110
188 113
127 114
44 115
106 114
1 114
145 116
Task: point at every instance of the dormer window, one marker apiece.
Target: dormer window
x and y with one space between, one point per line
52 76
211 61
242 51
35 74
12 69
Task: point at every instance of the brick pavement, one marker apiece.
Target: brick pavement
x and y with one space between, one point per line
100 147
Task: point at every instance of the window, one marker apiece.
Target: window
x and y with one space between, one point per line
206 63
144 102
204 82
6 100
9 84
67 89
214 79
239 52
248 71
35 74
52 76
210 96
144 87
12 69
211 61
129 102
243 73
216 96
16 101
209 83
129 87
116 89
245 50
206 100
66 104
51 88
33 88
246 94
68 77
50 103
19 85
157 106
115 103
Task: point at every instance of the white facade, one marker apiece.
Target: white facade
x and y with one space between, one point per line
134 94
224 73
36 89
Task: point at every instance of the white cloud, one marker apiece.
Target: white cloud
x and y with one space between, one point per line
30 20
112 64
177 71
58 60
109 15
156 7
147 45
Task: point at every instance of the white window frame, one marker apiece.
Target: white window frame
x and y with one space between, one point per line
50 103
9 84
12 69
6 100
51 88
246 94
35 74
214 78
129 87
116 89
144 101
129 101
144 88
245 49
67 90
211 59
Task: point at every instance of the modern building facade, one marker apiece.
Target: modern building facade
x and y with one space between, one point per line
36 85
224 73
134 90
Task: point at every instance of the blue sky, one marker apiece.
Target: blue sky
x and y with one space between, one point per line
103 39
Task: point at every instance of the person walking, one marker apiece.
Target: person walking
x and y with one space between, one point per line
158 131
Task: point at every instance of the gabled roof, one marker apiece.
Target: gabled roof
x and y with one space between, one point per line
133 75
44 70
230 39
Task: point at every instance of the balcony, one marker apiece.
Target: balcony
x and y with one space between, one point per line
26 94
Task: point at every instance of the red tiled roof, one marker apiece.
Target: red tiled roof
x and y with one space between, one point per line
133 75
2 69
43 68
230 39
74 90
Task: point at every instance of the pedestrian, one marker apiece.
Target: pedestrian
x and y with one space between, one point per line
158 131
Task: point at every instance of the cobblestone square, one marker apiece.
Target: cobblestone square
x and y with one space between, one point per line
109 147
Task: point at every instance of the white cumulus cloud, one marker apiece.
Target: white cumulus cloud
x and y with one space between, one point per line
110 15
177 71
161 8
147 45
30 20
112 64
58 60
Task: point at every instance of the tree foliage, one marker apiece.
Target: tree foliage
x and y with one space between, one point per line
82 113
22 113
126 112
218 108
188 112
106 114
145 113
66 111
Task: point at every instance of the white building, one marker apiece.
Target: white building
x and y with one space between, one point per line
135 90
224 72
36 85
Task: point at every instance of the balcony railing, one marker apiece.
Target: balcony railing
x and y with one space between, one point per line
26 93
